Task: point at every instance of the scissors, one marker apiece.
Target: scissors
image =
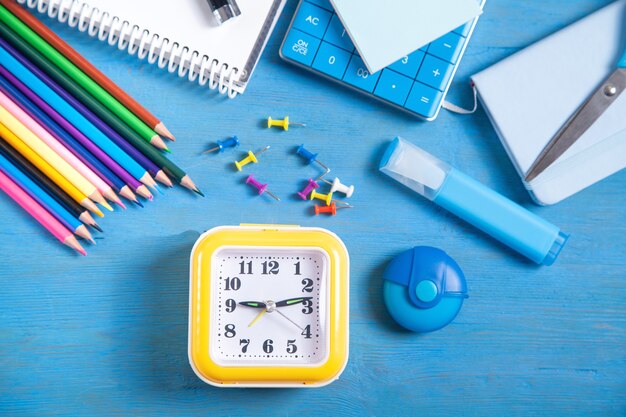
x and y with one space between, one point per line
582 119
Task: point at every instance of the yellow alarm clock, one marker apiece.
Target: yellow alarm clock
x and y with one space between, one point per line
268 306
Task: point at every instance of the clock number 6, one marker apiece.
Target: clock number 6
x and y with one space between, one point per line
308 285
291 346
229 331
268 346
245 343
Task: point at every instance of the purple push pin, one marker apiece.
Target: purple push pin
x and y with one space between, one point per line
312 185
262 188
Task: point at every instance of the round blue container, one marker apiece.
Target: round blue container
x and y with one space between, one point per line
424 289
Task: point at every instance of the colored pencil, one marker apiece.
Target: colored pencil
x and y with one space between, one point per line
10 138
35 41
95 74
124 144
42 149
64 136
44 199
63 80
47 184
19 66
40 214
131 136
54 151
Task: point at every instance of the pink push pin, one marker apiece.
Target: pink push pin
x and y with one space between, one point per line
262 188
312 185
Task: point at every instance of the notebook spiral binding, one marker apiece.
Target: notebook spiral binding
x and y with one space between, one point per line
122 34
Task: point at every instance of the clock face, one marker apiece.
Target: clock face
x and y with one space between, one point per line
269 306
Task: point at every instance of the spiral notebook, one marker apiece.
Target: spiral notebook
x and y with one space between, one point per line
181 36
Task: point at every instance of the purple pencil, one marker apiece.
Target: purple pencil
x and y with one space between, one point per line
133 152
135 185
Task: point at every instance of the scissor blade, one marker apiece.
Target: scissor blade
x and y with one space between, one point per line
580 122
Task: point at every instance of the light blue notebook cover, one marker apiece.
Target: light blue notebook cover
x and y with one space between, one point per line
531 94
384 32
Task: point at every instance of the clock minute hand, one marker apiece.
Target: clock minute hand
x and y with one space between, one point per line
292 301
253 304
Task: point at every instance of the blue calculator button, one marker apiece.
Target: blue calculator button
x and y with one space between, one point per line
312 19
393 87
435 72
300 47
464 30
322 3
331 60
424 100
409 65
448 47
358 75
338 36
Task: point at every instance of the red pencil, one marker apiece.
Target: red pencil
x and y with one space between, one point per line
95 74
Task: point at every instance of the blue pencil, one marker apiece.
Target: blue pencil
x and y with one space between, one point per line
72 144
42 197
72 115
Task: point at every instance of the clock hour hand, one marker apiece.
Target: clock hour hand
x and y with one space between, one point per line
292 301
253 304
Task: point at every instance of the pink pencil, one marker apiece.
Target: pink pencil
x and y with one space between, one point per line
39 213
32 125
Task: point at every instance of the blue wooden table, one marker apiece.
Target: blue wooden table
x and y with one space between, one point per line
107 334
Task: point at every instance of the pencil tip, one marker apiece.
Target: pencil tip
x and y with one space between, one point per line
164 131
106 205
197 191
157 142
121 204
138 203
97 227
99 213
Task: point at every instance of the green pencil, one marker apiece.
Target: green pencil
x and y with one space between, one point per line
100 111
80 77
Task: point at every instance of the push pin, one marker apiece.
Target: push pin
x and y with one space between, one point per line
262 188
327 198
285 123
332 209
250 158
336 185
223 144
310 157
312 185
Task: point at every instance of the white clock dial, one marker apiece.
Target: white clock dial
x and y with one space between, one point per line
269 306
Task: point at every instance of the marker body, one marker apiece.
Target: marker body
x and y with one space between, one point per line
473 202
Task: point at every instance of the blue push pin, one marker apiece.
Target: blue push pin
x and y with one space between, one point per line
424 289
223 144
310 157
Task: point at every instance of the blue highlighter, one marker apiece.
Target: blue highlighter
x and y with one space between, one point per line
473 202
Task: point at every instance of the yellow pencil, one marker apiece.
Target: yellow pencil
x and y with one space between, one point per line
42 149
47 169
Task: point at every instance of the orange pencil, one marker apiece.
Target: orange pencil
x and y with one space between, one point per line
95 74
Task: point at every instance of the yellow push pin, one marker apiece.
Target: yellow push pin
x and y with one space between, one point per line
250 158
327 198
285 123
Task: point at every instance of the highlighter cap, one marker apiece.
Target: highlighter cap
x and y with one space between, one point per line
414 167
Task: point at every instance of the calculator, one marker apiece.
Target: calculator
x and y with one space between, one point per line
417 83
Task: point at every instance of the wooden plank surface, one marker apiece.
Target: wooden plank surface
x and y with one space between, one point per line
107 334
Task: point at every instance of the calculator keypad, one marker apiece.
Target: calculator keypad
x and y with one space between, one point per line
417 82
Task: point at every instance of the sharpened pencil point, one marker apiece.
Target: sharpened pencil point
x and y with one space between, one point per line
106 205
73 243
158 143
164 131
97 227
197 191
138 203
163 179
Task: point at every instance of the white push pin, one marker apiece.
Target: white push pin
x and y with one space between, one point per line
336 185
